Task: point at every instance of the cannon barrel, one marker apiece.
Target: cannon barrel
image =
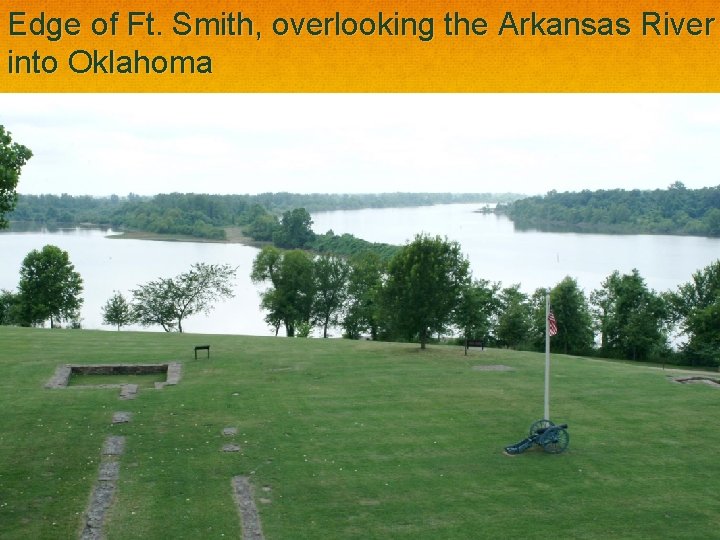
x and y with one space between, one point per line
540 431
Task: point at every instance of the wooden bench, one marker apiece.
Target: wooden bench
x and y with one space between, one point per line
202 348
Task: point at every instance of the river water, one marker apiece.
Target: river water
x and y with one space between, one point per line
496 252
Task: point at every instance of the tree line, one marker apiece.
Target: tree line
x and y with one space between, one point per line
425 292
50 289
207 216
676 210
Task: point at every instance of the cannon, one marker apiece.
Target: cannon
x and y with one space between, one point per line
553 439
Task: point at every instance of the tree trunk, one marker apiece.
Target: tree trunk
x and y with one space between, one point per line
289 330
423 338
180 325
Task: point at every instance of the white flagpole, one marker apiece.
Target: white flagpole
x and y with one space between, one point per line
547 356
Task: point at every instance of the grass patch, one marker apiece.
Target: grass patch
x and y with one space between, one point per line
143 381
353 440
233 235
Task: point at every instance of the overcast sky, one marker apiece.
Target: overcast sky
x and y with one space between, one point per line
100 144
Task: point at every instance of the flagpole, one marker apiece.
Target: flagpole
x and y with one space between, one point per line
547 355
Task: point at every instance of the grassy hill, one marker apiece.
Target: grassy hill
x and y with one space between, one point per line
345 439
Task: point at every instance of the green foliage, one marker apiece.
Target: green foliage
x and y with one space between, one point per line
424 285
696 307
572 316
13 157
153 305
295 230
200 216
331 290
347 245
117 311
479 305
303 330
262 225
631 318
289 299
676 210
206 216
53 209
9 308
365 284
49 287
167 301
514 319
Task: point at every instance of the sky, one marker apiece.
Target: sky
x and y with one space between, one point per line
103 144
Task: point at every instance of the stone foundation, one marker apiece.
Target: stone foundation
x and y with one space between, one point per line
61 378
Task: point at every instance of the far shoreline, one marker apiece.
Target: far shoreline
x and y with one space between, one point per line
233 235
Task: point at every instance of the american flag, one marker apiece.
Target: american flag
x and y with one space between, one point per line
552 324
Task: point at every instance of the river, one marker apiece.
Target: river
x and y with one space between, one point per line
496 251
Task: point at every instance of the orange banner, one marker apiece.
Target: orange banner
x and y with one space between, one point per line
360 46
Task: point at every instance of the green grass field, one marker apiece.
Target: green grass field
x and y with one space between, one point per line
347 439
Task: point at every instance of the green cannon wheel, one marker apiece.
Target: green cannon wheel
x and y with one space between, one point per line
555 441
539 424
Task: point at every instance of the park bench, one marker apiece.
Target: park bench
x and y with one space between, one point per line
202 348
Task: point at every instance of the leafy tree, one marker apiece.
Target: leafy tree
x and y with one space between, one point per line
479 304
712 221
331 290
13 157
631 318
9 308
266 267
295 229
424 286
289 299
167 301
572 315
262 225
117 311
515 317
696 307
364 288
49 287
152 304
